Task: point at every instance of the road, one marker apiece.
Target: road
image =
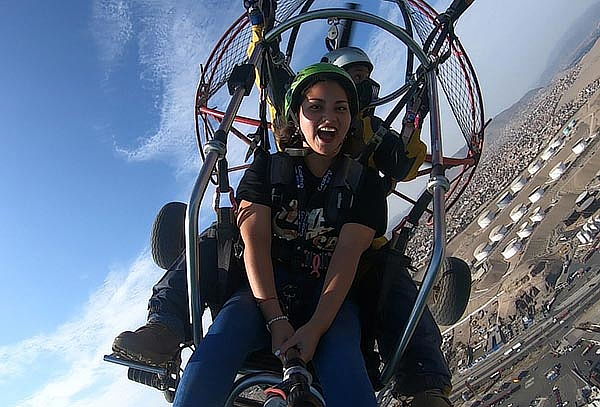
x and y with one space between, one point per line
532 339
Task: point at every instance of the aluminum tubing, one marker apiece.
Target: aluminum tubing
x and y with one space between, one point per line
191 244
356 15
217 148
438 186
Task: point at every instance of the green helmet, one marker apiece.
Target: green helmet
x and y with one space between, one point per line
313 74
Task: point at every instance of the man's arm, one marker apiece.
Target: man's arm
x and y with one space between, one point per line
398 155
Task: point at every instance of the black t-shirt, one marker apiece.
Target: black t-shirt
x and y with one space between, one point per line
313 250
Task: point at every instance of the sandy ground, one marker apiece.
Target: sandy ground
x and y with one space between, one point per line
590 69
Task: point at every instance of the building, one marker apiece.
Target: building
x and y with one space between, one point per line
498 233
534 167
486 218
518 212
514 247
557 171
525 230
482 251
580 146
504 200
537 215
495 339
537 194
518 184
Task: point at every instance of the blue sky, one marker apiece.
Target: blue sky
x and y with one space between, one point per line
72 205
97 134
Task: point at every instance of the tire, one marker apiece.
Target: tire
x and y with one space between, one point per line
168 234
450 295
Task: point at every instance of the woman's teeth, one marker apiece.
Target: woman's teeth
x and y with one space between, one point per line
326 133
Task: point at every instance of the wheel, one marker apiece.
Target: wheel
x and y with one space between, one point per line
168 235
450 295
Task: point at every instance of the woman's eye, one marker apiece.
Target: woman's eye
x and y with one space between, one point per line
342 108
314 107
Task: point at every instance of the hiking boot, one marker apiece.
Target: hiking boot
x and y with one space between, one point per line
431 398
152 343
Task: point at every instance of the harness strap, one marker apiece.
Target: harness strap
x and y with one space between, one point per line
375 141
282 174
348 174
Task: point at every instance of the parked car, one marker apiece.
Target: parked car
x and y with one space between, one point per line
552 375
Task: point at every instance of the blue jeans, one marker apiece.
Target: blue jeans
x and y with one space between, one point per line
423 365
239 330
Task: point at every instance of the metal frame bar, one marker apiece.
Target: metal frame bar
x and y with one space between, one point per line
438 185
361 16
217 149
161 371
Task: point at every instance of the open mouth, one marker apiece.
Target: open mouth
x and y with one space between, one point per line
326 134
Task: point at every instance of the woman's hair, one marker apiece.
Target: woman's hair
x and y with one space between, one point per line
287 136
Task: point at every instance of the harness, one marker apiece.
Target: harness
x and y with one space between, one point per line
336 190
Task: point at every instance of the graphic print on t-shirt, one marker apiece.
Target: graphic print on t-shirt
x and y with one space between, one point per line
285 226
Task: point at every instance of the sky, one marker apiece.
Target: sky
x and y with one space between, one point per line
97 134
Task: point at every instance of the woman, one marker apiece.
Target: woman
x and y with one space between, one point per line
300 262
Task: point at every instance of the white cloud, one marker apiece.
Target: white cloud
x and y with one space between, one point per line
173 38
78 376
112 27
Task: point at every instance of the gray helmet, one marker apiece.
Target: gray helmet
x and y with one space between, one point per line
342 57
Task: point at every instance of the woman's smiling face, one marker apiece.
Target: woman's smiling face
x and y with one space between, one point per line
325 117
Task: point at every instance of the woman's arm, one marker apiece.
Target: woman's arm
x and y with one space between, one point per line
254 221
354 239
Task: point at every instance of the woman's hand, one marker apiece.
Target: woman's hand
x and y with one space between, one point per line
281 331
305 340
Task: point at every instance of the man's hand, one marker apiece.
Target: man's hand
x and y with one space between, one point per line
261 12
248 4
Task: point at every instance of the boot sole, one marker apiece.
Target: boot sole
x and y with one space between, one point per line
159 361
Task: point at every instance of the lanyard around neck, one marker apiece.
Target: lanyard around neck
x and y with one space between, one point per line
303 199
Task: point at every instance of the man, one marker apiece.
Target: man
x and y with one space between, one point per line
402 154
423 371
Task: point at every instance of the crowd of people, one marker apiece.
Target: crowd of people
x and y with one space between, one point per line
536 124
